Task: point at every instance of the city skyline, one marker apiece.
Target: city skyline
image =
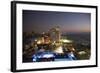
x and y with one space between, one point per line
42 21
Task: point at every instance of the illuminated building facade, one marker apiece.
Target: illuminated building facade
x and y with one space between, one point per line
55 34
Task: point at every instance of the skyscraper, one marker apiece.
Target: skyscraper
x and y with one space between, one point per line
55 34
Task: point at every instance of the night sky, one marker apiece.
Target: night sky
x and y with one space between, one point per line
42 21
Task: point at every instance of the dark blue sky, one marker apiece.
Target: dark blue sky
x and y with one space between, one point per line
42 21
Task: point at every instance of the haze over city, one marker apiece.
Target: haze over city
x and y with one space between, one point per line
41 21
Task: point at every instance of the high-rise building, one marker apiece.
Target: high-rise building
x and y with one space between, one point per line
55 34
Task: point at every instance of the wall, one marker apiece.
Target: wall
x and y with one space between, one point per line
5 36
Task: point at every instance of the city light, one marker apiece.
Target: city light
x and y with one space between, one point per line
59 50
65 41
